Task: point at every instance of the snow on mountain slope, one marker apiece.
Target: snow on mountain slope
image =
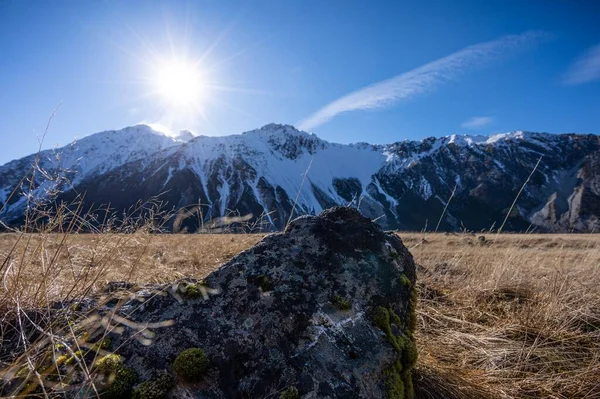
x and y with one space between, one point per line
277 171
282 156
90 156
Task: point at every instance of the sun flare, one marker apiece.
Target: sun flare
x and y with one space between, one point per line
180 83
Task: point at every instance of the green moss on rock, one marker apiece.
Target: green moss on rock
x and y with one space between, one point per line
290 393
411 323
155 389
341 303
381 318
191 364
410 353
192 291
84 336
394 384
104 343
78 355
122 381
405 281
397 377
61 359
109 363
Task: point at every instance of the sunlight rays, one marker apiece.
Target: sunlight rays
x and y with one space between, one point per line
178 83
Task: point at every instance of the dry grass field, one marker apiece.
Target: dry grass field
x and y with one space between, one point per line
507 316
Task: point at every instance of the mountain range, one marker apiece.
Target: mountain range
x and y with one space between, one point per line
522 181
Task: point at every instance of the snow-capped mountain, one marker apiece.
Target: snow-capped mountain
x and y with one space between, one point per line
66 167
276 170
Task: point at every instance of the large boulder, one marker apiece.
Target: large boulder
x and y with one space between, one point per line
324 309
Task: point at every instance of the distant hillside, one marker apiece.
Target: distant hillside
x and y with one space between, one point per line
404 185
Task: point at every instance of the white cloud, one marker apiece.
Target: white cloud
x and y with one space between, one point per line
477 122
422 79
586 68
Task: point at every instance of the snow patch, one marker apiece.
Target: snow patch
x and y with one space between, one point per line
391 200
425 188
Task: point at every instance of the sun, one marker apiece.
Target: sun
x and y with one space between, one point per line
180 83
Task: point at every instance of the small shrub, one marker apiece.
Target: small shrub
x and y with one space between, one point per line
190 364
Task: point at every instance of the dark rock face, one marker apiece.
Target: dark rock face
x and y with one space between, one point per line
298 310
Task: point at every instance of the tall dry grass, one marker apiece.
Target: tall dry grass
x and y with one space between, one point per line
45 275
509 316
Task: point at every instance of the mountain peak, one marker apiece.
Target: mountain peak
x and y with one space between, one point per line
142 128
276 129
184 135
157 130
278 126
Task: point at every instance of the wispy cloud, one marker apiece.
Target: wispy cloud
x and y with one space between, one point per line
586 68
477 122
424 78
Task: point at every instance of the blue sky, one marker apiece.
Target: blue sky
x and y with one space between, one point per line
430 68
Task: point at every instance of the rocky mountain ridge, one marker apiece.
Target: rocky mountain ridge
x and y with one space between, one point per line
447 183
